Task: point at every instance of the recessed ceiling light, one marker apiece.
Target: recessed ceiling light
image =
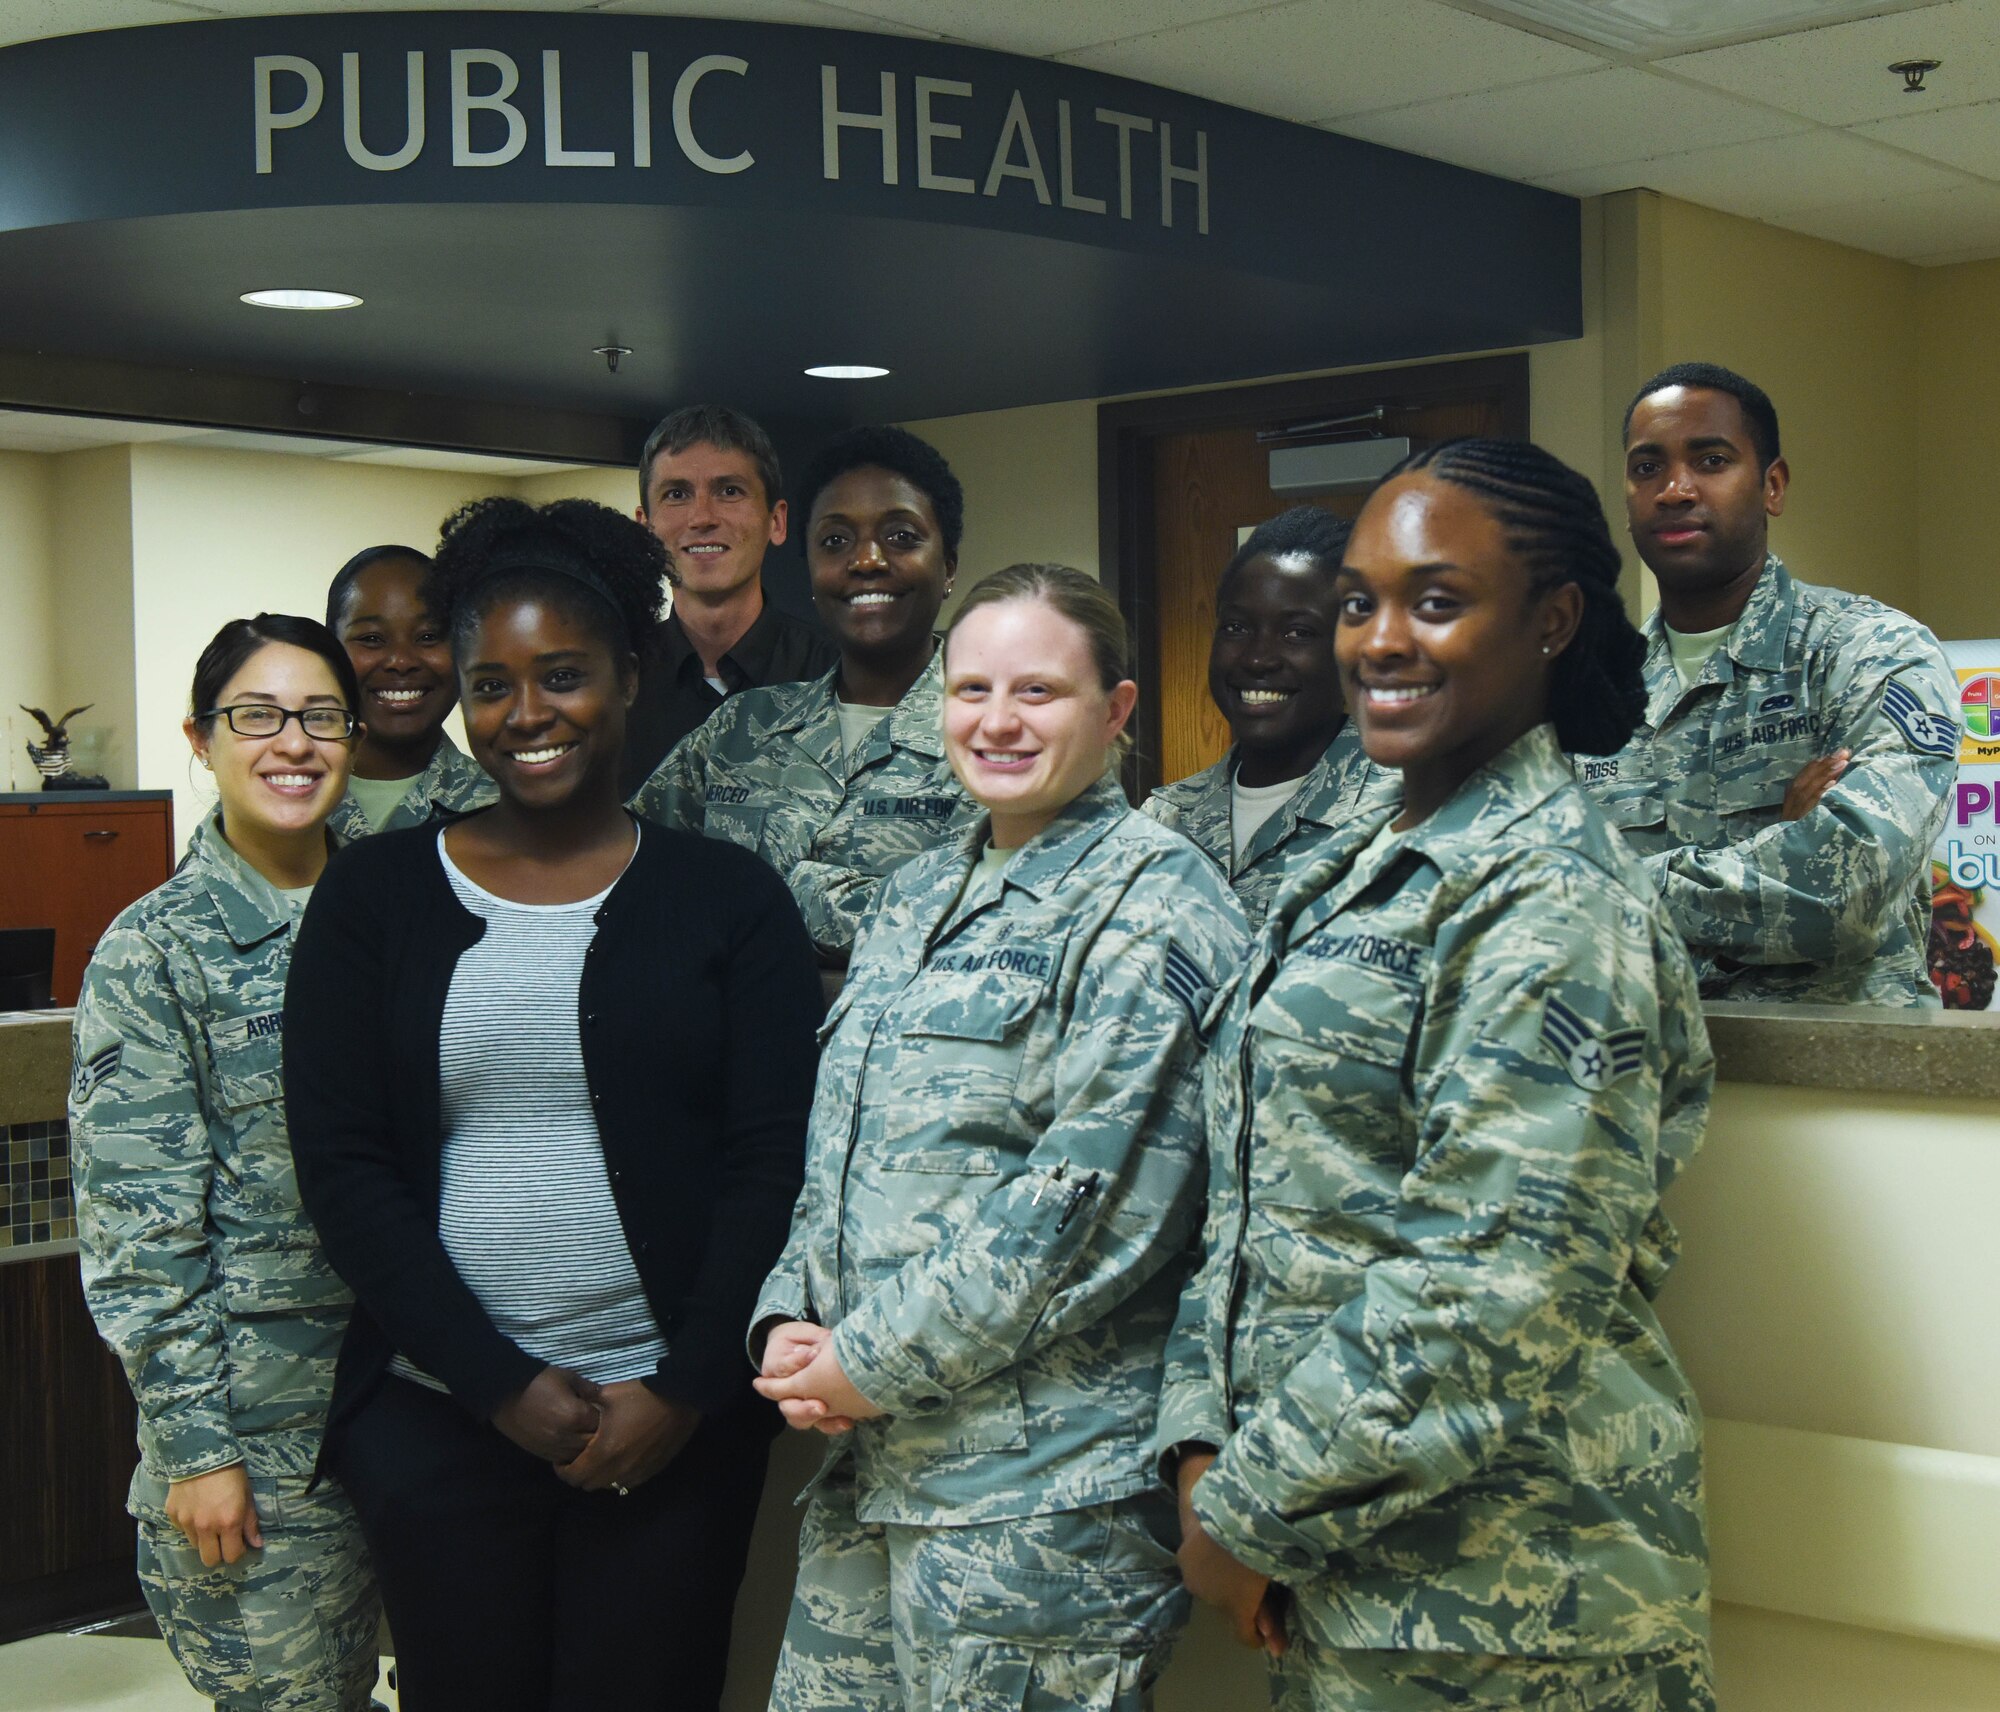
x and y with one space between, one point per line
290 298
846 371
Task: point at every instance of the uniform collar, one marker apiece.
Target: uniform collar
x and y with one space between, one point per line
251 908
1045 861
916 722
1328 795
1509 788
1756 642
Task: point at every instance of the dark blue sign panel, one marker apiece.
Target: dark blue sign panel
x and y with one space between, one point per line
521 108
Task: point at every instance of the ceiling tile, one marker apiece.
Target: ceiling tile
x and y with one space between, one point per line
1769 179
29 20
1568 122
746 11
1043 26
1839 75
1940 222
1319 59
1967 137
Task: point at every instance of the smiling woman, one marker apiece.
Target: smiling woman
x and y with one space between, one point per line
1295 771
1003 1184
1469 1042
406 770
837 782
198 1263
553 1146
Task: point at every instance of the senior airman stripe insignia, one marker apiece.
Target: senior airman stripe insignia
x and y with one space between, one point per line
1593 1059
1928 733
1187 983
93 1072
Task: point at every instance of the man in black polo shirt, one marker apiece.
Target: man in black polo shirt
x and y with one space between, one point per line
709 488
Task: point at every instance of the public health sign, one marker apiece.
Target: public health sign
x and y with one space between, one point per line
1965 864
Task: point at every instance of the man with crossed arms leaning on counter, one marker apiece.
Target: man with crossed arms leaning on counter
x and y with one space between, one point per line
1796 759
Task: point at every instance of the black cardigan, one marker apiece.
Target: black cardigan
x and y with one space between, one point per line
697 1010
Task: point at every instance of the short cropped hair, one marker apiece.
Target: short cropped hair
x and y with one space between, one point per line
1759 413
718 426
901 453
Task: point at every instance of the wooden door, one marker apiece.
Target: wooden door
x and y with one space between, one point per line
73 865
1185 477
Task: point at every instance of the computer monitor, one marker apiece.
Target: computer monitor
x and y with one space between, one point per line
27 968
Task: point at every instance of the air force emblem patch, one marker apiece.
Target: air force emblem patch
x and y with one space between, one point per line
1928 733
1593 1060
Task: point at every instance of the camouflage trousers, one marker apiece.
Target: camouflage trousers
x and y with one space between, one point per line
1315 1676
1045 1614
290 1628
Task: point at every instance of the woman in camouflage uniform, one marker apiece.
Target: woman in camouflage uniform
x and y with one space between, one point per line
1432 1446
837 781
1003 1182
406 769
198 1264
1295 772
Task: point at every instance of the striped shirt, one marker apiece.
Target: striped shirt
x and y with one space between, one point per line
525 1208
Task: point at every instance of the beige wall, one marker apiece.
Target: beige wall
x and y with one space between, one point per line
159 543
1030 480
1958 441
1831 335
27 612
95 644
218 535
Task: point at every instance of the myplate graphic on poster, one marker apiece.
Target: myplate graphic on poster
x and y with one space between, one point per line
1965 864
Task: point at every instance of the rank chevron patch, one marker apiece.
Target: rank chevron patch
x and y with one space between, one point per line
1593 1059
1929 733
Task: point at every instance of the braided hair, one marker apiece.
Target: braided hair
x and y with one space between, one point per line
597 568
1554 522
1304 532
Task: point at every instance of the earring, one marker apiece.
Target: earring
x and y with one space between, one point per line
206 762
1546 649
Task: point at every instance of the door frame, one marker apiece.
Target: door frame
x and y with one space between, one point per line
1126 430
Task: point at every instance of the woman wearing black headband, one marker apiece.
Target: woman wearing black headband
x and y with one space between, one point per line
551 1131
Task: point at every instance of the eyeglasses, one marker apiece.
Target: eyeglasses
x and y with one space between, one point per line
261 719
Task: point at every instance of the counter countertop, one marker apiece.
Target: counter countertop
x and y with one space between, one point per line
10 798
1862 1049
1952 1054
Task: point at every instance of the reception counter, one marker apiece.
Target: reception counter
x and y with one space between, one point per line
1838 1307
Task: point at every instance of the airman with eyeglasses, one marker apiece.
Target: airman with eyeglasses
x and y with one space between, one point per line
325 724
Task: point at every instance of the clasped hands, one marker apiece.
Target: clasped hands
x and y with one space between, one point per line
804 1378
597 1437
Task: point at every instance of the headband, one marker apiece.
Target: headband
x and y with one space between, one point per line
524 556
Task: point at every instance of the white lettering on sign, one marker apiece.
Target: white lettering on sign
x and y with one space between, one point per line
1016 129
684 114
263 70
490 126
832 121
929 130
554 153
1066 161
464 104
350 115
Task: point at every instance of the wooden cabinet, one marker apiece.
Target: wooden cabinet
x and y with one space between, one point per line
72 861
